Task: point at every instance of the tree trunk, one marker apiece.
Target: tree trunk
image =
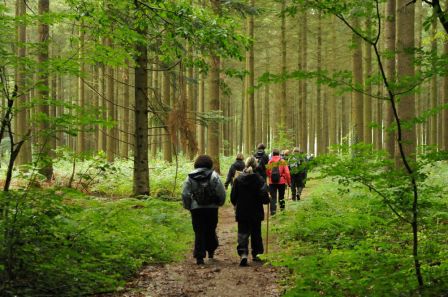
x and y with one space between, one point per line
250 86
304 94
141 168
391 74
434 86
445 101
405 70
22 118
81 88
42 93
367 112
357 123
166 97
201 128
283 99
213 105
318 113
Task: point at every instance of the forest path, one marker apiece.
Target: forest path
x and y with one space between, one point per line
219 277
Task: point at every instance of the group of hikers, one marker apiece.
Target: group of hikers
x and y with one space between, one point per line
260 179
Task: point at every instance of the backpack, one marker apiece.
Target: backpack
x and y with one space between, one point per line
203 192
275 174
295 163
261 167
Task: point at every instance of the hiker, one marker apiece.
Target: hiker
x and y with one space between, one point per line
235 169
203 193
279 178
249 193
297 169
262 160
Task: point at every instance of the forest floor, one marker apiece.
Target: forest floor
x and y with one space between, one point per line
219 277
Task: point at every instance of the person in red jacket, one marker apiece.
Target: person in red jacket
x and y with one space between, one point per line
279 177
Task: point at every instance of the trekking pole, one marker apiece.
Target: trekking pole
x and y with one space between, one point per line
268 214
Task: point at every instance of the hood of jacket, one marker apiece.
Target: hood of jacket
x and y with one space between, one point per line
248 178
201 174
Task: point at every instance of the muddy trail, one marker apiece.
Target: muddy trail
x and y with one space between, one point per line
219 277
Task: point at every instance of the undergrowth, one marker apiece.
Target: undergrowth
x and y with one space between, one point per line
347 243
63 243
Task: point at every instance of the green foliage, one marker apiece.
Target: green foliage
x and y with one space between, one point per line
339 243
62 243
283 140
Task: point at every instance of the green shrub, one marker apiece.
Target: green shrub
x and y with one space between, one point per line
67 244
339 243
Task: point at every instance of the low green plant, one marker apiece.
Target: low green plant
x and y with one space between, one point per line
63 243
344 240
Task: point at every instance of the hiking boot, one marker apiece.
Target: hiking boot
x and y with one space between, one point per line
257 259
200 261
211 255
243 262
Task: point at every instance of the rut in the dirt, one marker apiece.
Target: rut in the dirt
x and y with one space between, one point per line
221 276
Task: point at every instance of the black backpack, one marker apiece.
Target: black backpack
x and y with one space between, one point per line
203 192
275 174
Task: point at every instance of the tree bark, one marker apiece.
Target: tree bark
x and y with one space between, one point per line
405 70
390 136
42 93
141 168
357 123
22 119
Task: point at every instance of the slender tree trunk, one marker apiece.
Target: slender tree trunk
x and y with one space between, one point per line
367 108
304 94
318 113
42 92
266 109
357 97
445 101
22 118
434 86
141 168
81 88
167 154
126 121
191 100
213 105
333 98
201 128
390 71
283 99
405 70
250 87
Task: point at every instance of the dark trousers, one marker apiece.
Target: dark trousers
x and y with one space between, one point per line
204 222
273 189
297 185
250 229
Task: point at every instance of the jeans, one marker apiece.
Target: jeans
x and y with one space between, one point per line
273 188
204 222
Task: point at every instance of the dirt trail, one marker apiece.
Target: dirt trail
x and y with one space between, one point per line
218 278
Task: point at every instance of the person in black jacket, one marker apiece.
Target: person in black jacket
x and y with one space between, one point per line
249 193
238 165
262 159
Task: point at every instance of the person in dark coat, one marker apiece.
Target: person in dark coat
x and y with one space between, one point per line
204 216
238 165
249 193
262 159
297 169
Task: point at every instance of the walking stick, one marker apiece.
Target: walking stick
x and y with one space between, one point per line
268 214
